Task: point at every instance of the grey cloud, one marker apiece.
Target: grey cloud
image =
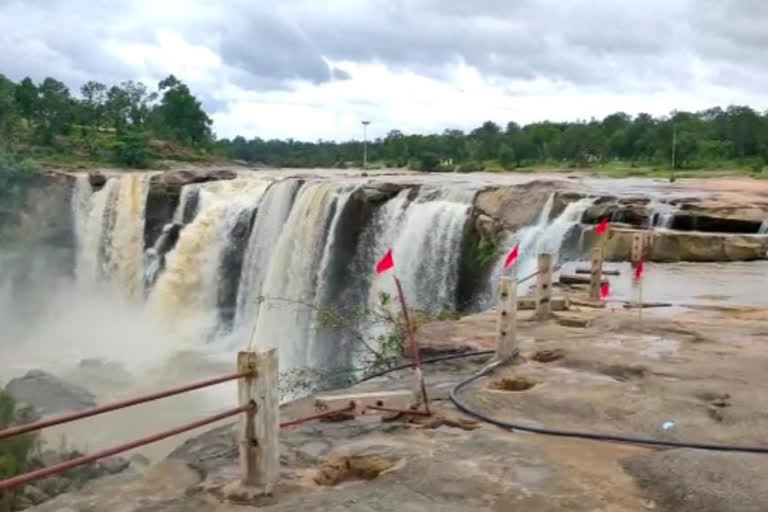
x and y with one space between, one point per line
595 44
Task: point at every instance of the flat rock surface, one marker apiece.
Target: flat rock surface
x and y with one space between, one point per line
700 371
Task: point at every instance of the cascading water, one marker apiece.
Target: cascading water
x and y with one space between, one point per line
288 308
763 228
661 215
109 226
185 295
544 236
426 237
265 233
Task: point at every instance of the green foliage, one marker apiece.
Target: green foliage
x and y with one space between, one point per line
14 176
180 115
471 166
15 451
486 250
105 123
132 149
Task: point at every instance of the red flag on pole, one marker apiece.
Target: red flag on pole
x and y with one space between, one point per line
639 270
602 226
605 289
385 263
511 256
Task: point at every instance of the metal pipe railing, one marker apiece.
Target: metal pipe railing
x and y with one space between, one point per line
87 459
32 427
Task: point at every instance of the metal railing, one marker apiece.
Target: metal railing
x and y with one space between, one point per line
258 402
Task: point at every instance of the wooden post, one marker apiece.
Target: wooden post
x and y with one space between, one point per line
420 385
596 278
506 318
259 427
544 287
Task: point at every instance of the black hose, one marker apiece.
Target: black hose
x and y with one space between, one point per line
426 361
594 436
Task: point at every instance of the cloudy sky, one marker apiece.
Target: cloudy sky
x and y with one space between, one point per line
311 69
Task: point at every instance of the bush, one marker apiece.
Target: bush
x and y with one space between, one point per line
14 175
15 451
471 166
132 149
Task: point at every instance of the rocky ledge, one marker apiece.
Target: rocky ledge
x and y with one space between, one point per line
671 246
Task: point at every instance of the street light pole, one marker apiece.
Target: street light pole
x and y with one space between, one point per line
365 143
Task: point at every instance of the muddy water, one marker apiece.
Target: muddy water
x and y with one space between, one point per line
702 284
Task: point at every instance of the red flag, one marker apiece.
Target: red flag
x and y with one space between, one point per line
385 263
605 289
511 256
639 270
602 226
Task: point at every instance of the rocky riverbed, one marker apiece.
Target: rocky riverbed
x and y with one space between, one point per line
692 376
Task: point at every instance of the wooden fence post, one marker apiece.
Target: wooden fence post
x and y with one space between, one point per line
259 427
544 287
596 278
506 319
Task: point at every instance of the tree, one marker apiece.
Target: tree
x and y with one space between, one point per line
27 98
94 100
55 109
8 110
15 451
180 114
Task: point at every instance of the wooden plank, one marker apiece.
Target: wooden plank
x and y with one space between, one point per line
400 399
605 272
506 318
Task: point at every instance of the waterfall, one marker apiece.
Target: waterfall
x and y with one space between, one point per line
763 228
286 314
109 227
126 251
270 217
544 236
185 295
661 215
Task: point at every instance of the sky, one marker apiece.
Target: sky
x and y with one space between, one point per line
314 69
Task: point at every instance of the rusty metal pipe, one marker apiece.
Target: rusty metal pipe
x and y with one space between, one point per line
401 411
304 419
31 427
87 459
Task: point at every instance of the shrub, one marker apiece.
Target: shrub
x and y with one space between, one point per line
132 149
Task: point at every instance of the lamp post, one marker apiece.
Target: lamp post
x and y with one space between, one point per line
365 144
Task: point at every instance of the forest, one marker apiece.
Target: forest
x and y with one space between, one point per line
129 124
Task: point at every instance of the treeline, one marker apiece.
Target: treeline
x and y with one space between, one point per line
101 123
737 135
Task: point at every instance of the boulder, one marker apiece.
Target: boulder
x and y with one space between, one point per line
671 246
34 495
96 179
377 192
114 465
515 206
180 177
49 394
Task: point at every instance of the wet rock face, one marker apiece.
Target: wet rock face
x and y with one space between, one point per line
516 206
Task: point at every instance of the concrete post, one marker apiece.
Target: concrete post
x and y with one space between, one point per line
544 287
596 277
259 427
506 318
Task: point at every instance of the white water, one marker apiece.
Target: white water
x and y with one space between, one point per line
763 228
270 218
661 215
109 227
286 314
425 235
184 297
544 236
